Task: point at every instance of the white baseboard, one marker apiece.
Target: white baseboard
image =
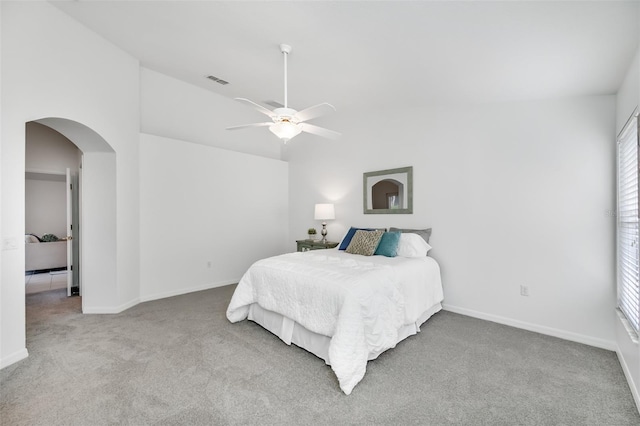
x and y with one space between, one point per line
148 298
178 292
549 331
110 309
13 358
629 377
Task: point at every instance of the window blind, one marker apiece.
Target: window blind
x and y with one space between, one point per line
627 224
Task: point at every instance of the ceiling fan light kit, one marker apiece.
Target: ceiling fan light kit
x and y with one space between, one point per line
285 130
287 122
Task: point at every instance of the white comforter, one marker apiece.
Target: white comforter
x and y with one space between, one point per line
360 302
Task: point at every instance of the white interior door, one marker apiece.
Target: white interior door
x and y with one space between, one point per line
69 233
75 233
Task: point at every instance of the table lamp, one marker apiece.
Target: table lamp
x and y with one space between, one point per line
324 212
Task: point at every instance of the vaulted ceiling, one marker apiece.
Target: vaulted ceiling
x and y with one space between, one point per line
370 54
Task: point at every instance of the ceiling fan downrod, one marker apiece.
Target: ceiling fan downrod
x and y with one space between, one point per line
285 49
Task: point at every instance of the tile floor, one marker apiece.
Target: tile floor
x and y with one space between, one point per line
45 281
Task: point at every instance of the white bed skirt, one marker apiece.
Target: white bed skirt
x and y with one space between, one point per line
290 331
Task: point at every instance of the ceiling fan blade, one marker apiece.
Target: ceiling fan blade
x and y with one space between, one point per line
314 111
244 126
319 131
260 108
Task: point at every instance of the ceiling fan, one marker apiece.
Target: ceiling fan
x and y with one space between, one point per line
286 122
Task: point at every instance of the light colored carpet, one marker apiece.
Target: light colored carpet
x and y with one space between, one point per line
179 361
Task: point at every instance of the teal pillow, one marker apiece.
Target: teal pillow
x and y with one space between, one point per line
389 244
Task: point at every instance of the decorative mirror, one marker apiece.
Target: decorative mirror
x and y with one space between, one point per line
388 191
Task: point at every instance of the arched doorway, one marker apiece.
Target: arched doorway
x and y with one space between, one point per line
52 174
97 208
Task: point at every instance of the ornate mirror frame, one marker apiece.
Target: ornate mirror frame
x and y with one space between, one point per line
402 177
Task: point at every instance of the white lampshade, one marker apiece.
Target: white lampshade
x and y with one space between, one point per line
285 130
324 212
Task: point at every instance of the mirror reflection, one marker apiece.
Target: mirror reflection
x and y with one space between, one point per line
388 191
387 194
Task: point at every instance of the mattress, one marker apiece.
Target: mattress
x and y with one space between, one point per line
344 308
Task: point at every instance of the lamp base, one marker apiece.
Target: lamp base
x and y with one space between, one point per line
324 232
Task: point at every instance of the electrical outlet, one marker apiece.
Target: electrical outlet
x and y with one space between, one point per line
524 290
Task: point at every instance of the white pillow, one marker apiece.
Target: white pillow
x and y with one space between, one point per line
412 245
31 239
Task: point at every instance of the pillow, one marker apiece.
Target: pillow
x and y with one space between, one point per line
424 233
388 244
364 242
412 245
30 238
350 233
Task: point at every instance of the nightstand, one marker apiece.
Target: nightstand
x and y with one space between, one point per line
307 245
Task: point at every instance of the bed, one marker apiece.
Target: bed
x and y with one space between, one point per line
343 307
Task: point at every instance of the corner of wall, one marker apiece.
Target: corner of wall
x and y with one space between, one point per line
13 358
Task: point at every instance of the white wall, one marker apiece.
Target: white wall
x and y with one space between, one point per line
54 67
46 207
627 97
175 109
629 351
200 204
102 284
516 194
47 151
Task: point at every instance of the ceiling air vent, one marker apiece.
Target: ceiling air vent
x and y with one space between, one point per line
217 80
